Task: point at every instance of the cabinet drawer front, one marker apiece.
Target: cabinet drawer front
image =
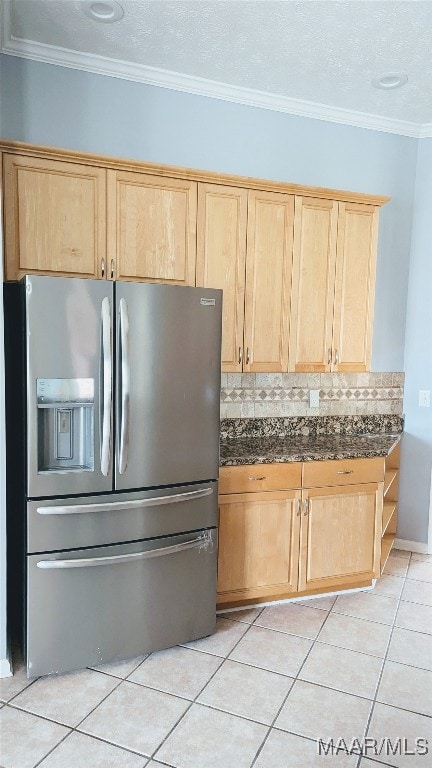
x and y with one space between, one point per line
259 477
343 472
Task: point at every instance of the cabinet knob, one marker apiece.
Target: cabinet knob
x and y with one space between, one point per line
306 507
240 356
262 477
329 356
112 269
103 267
344 471
247 356
336 357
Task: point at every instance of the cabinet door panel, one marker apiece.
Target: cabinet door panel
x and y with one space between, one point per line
221 250
268 280
152 227
355 286
258 543
54 217
313 284
340 536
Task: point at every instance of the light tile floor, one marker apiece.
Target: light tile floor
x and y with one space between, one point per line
261 692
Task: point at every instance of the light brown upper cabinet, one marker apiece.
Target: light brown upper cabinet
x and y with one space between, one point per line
355 286
221 253
334 262
54 217
151 228
245 248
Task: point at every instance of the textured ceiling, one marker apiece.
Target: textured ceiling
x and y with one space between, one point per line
325 52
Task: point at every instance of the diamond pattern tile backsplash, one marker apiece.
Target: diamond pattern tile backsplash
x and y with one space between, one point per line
287 394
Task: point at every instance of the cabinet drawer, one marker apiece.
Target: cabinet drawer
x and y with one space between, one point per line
259 477
342 472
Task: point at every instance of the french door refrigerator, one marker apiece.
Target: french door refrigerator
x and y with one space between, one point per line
120 446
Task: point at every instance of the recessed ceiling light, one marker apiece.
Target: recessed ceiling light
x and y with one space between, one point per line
390 80
105 11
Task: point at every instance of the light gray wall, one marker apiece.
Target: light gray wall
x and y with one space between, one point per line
416 460
62 107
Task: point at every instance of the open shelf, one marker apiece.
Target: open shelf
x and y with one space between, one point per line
389 477
386 545
389 510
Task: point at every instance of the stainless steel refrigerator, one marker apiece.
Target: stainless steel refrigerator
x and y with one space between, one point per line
120 453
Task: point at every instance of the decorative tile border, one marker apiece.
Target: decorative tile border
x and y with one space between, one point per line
249 395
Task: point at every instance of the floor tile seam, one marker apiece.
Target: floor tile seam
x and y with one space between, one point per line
224 658
351 650
256 666
111 674
216 708
31 682
382 623
380 676
415 631
417 581
362 618
411 666
66 725
416 602
144 755
404 709
97 738
66 736
296 677
294 604
285 632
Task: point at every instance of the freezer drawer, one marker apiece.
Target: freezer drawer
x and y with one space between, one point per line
75 523
93 606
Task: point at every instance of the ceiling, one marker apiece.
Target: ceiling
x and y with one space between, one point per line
313 57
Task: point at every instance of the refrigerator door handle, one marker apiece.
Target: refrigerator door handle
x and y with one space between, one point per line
124 389
202 542
106 387
124 505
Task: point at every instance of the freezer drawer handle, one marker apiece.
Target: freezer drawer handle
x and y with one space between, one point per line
106 391
201 542
120 505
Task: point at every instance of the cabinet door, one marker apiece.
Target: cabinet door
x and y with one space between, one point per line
268 280
313 284
152 227
340 537
355 286
221 250
55 218
258 544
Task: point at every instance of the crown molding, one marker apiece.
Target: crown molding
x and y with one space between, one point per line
198 86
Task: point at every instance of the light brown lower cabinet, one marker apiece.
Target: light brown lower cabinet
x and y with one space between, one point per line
281 543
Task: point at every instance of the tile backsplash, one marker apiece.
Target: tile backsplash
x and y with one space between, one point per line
246 395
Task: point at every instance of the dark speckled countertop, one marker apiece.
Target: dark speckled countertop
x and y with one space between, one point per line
270 449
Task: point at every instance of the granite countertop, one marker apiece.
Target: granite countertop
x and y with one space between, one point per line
268 449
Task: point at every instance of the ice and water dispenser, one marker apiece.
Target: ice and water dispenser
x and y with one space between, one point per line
65 424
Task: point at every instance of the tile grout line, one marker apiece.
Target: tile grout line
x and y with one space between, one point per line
380 676
296 677
194 701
